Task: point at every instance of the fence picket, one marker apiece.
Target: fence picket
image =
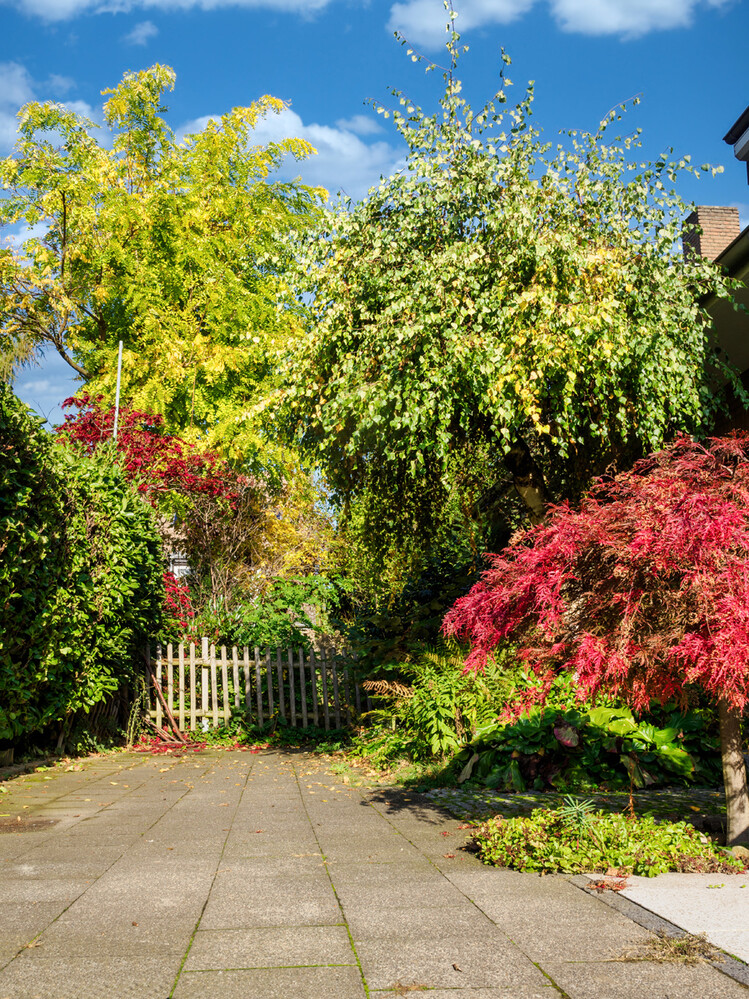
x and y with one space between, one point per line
279 673
181 702
235 677
193 690
347 695
214 687
325 705
292 705
225 685
159 709
204 683
258 687
336 698
247 682
303 689
313 672
169 678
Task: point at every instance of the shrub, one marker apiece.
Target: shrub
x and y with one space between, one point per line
587 748
81 585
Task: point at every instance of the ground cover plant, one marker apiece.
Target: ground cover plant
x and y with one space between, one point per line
641 593
575 839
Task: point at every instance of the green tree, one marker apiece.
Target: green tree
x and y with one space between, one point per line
179 247
499 318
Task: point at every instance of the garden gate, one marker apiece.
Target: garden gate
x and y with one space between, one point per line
203 689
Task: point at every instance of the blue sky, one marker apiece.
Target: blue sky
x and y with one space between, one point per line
686 58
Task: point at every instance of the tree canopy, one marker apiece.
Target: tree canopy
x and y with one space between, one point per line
176 245
499 317
641 593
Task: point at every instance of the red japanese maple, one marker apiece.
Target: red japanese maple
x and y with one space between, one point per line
156 461
642 592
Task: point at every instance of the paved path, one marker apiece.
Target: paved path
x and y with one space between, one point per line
228 875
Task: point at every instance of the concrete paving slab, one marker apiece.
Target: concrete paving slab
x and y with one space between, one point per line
275 983
33 977
714 904
270 947
628 980
446 963
381 922
177 853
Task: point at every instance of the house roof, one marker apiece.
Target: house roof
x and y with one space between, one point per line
738 128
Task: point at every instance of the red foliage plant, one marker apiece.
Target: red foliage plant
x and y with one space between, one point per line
178 605
156 461
643 592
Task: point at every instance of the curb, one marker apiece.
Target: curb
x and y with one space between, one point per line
650 920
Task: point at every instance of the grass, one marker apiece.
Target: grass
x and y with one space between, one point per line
663 949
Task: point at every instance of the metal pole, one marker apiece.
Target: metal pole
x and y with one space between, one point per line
117 398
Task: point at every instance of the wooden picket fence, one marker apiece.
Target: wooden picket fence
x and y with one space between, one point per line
203 687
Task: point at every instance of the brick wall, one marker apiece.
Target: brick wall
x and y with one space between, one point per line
720 226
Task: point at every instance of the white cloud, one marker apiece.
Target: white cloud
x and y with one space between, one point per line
343 161
59 84
423 22
62 10
142 33
17 88
360 124
16 85
626 17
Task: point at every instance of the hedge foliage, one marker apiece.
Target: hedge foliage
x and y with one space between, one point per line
81 575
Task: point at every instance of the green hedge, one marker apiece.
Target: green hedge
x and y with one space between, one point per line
81 575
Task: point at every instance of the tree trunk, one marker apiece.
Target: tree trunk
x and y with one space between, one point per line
528 481
734 775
